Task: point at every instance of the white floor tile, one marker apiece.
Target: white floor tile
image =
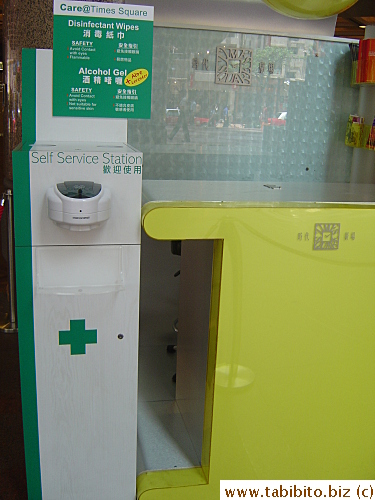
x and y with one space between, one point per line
163 441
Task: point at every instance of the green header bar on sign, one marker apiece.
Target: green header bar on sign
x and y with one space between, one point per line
102 59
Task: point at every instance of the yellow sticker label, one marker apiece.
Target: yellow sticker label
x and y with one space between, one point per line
136 77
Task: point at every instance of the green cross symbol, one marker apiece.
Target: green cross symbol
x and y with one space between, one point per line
77 337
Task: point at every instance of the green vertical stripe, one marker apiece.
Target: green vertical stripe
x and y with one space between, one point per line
24 278
24 283
28 96
21 194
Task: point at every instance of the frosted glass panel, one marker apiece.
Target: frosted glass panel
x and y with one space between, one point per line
287 125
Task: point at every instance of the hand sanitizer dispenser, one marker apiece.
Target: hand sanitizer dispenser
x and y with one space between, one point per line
78 205
78 296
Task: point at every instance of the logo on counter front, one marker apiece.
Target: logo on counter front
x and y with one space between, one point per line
326 236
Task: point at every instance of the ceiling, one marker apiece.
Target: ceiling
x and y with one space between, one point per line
348 22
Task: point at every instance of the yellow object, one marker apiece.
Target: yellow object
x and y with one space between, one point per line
136 77
353 75
290 390
354 134
359 135
309 9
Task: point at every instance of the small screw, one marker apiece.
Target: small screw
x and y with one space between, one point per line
120 336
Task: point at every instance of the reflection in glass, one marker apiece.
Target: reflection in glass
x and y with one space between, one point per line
287 125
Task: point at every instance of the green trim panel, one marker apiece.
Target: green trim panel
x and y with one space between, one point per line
29 95
27 369
24 280
21 188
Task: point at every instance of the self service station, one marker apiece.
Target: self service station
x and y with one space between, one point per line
77 187
274 373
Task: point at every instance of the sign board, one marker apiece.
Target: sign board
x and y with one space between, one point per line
102 59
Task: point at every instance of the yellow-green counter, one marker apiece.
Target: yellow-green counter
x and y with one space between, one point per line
290 385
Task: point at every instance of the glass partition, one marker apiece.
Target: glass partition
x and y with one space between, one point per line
234 106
